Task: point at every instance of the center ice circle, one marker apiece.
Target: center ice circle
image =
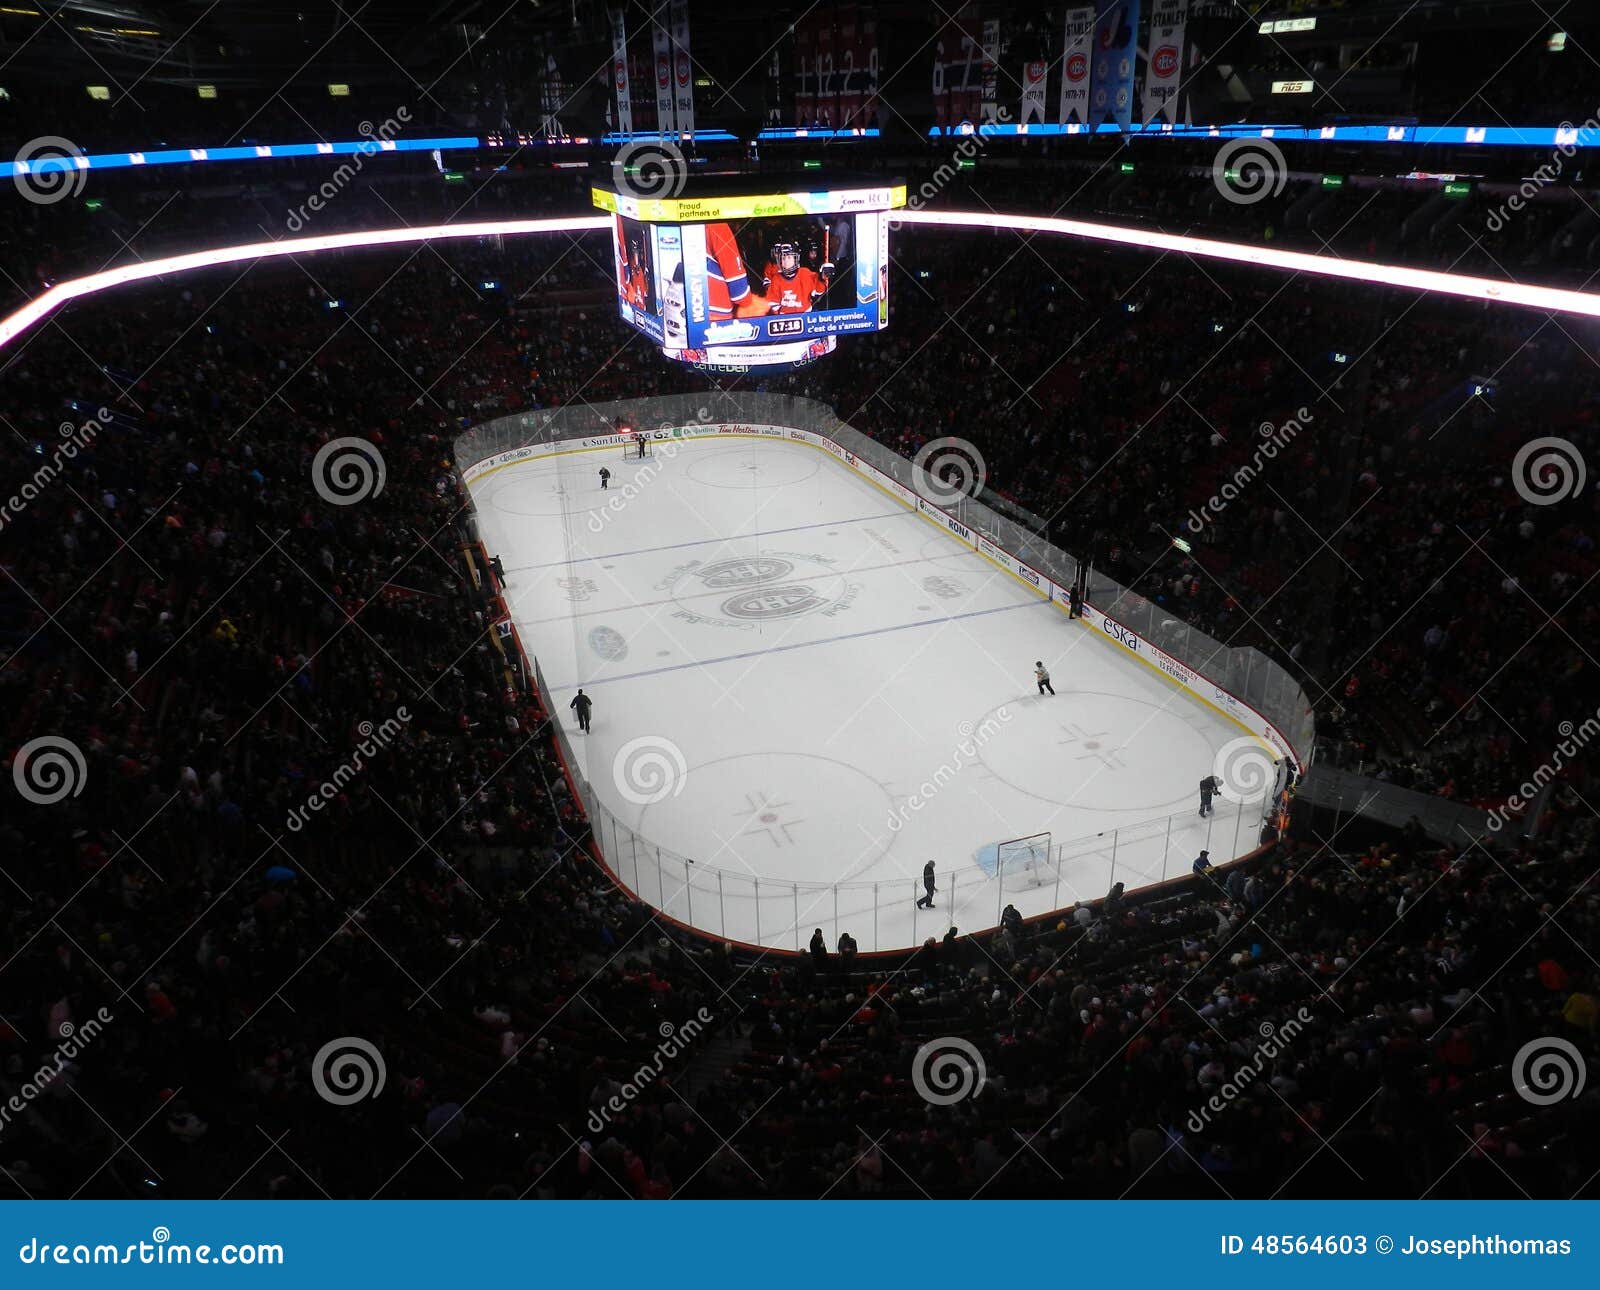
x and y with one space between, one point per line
1097 752
783 817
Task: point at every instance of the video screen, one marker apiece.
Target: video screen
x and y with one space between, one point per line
634 245
788 280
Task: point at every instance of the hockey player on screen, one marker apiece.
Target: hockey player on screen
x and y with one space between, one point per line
791 287
636 282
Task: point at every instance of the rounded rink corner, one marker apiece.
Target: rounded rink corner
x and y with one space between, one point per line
809 680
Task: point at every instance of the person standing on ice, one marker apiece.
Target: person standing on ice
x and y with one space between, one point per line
1042 675
605 477
581 703
927 887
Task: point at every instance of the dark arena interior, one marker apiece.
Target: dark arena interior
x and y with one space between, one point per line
1137 467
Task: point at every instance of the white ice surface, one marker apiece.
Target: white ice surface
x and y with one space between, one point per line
824 691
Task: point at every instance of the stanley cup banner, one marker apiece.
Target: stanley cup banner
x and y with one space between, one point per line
1075 65
619 71
1164 67
991 69
682 67
1034 73
663 47
1111 71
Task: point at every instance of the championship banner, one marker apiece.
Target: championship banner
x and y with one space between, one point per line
551 100
1033 78
665 117
991 69
1111 73
619 70
682 67
1164 66
1075 65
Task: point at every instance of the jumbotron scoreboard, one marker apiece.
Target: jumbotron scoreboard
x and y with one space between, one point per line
742 273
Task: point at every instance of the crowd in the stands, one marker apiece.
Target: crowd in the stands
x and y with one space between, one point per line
216 639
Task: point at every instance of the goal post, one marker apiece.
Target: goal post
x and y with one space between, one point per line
1021 862
636 446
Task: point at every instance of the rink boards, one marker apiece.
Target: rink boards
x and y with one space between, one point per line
1127 733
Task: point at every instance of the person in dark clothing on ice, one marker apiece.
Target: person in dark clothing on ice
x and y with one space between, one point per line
581 703
1208 788
927 883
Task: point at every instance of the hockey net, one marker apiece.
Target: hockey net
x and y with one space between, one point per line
1026 862
632 444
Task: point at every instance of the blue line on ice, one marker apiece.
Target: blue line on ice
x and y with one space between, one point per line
826 640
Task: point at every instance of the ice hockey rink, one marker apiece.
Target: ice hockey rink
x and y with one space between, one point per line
804 691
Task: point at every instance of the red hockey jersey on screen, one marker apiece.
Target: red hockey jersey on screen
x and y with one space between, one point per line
727 283
793 295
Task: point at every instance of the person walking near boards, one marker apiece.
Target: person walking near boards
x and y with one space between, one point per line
927 886
581 703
